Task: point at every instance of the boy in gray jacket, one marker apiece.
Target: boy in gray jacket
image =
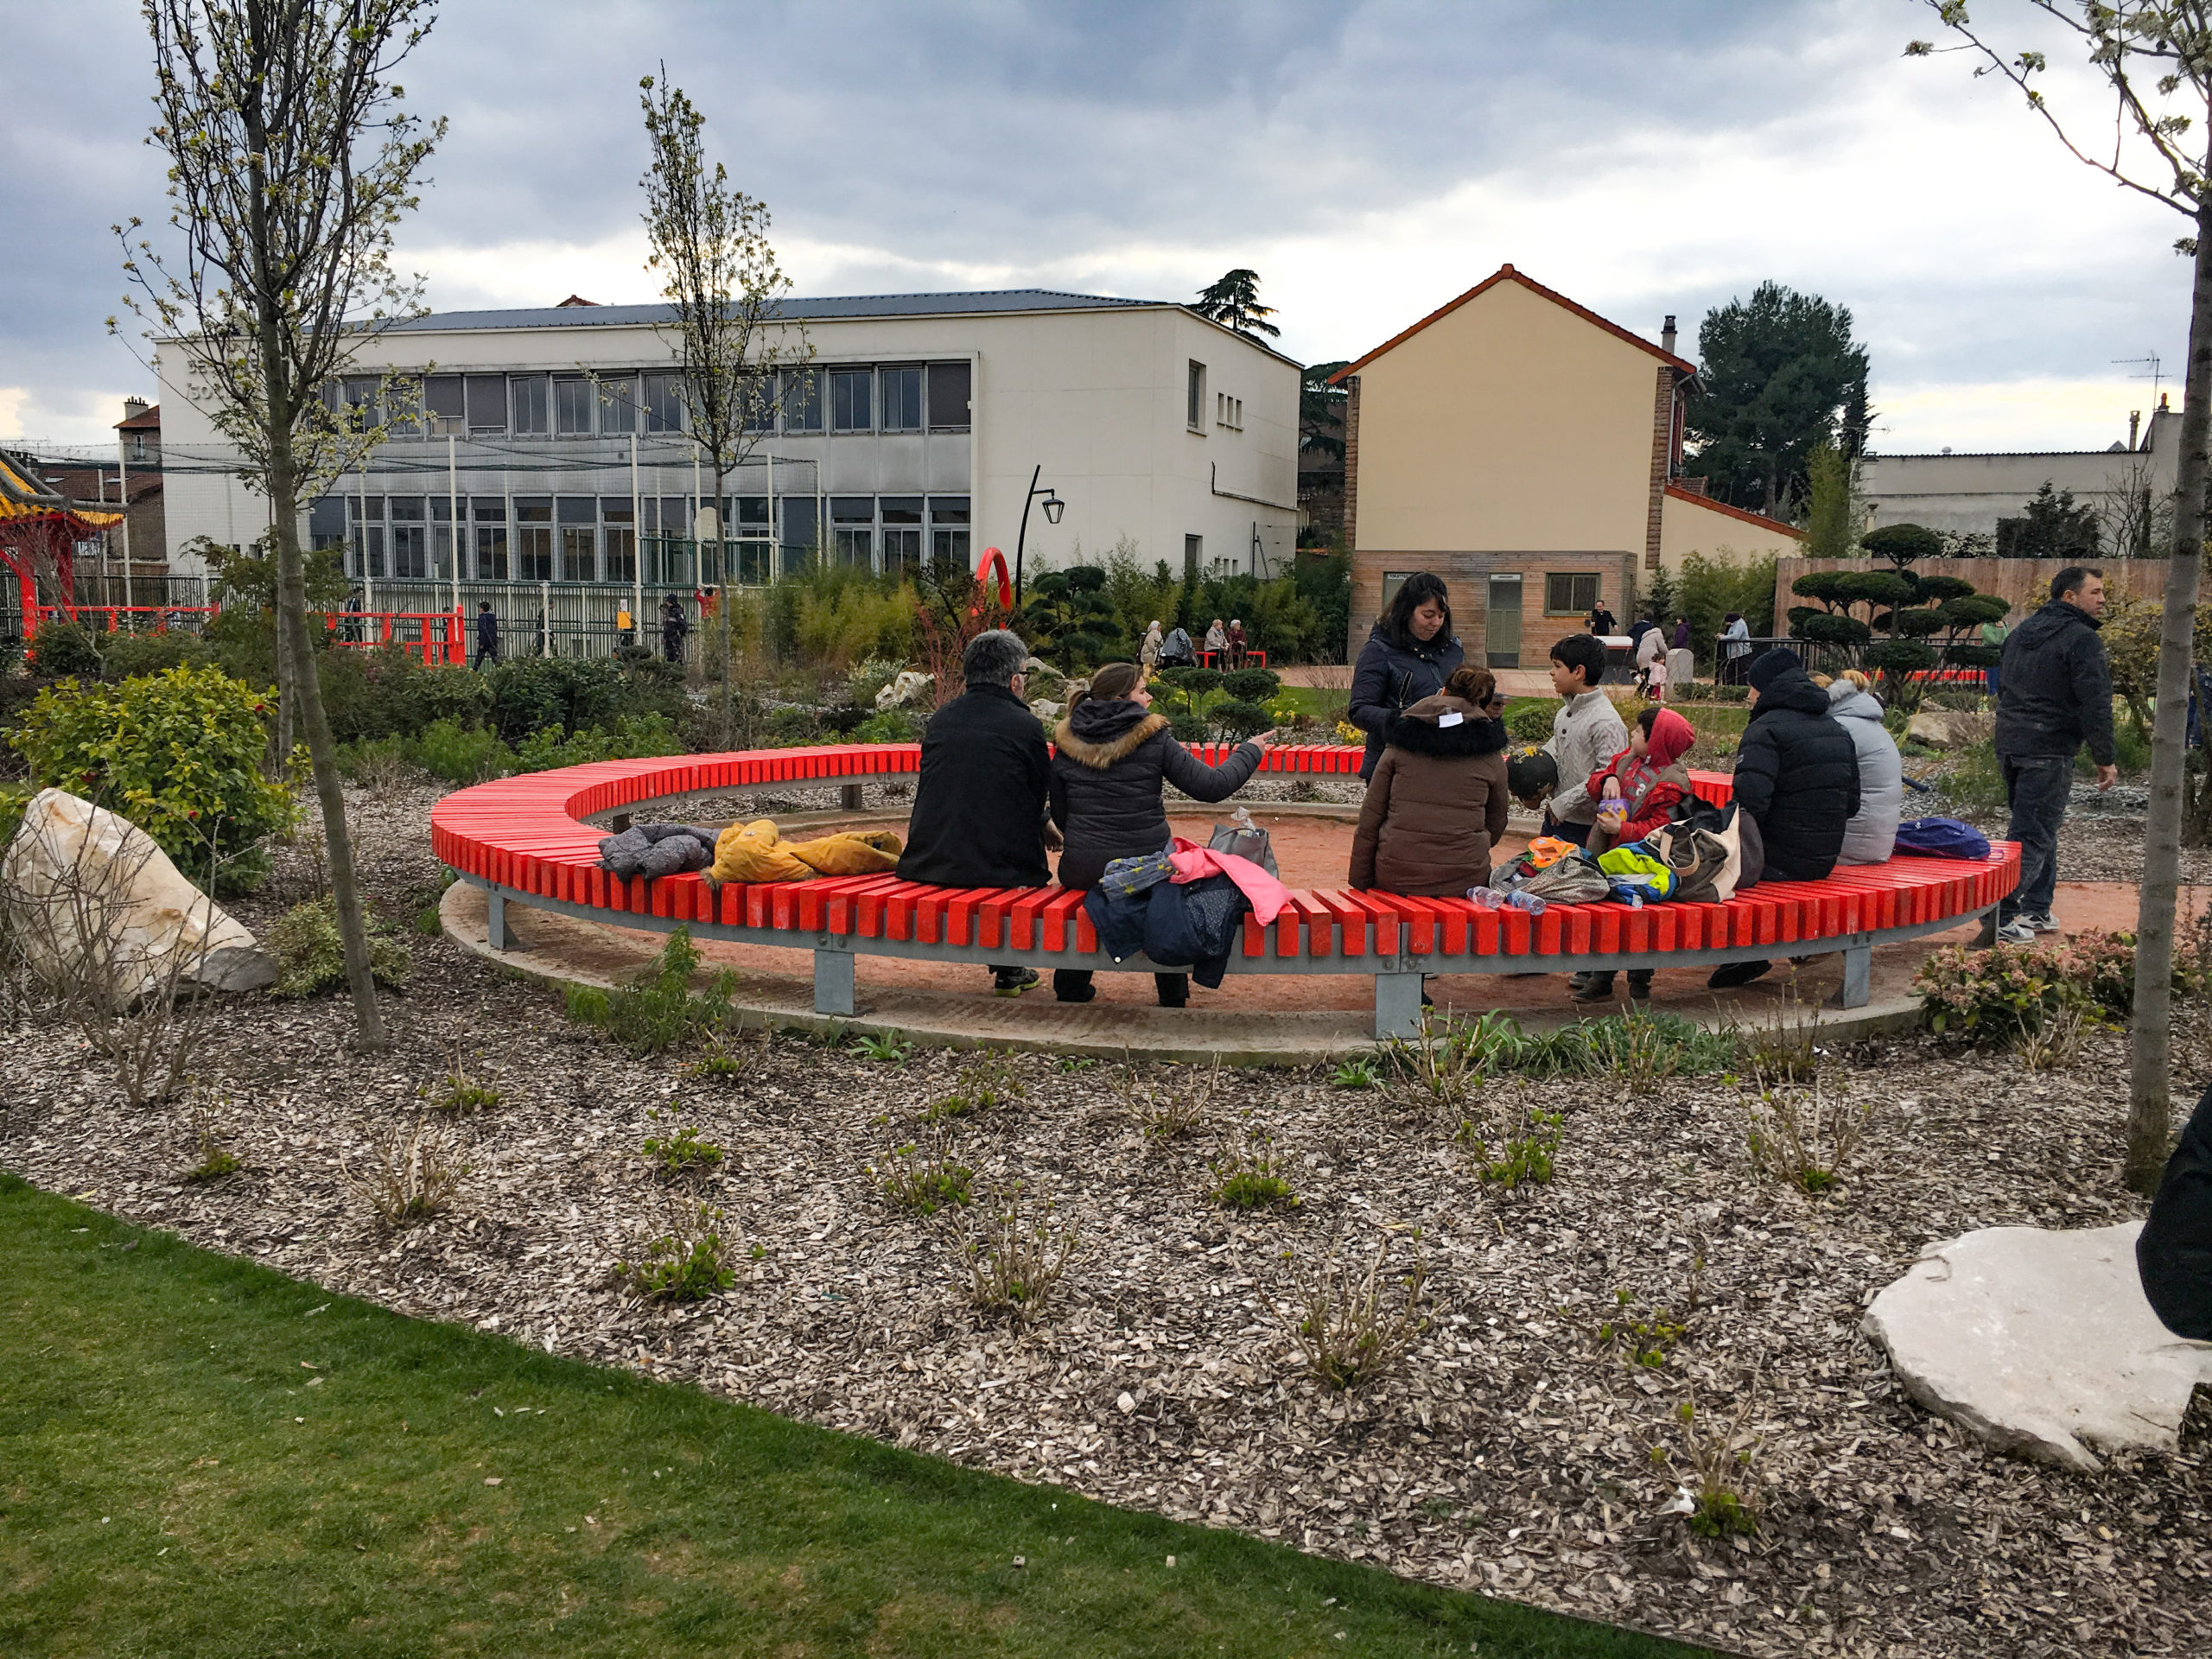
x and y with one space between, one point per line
1586 733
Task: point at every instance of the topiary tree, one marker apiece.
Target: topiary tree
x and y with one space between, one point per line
1252 684
1237 719
1902 544
1833 628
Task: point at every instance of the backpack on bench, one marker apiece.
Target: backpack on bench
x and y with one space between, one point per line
1714 851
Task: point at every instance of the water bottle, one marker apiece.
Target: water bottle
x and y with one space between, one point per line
1491 899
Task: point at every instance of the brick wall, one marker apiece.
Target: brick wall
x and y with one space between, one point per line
1663 447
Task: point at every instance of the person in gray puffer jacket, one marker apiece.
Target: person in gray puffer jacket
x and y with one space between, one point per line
1112 756
1872 834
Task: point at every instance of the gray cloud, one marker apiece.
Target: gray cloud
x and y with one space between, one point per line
1161 143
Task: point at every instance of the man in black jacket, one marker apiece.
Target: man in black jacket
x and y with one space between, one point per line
2053 695
979 800
1797 776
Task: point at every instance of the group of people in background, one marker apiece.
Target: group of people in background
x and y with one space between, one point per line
1817 772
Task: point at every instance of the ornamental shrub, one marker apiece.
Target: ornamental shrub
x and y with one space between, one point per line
1999 994
65 650
634 737
311 957
178 753
1252 684
460 755
1530 721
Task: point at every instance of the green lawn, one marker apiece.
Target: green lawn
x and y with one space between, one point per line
200 1457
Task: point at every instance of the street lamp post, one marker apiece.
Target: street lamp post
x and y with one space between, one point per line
1053 508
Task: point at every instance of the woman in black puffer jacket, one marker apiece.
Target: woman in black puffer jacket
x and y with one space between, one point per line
1113 755
1411 654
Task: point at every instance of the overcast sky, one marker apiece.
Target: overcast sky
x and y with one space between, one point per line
1370 160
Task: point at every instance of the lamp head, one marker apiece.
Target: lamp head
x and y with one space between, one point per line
1053 508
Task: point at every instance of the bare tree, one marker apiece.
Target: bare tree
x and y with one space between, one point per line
2156 61
290 162
2135 520
710 244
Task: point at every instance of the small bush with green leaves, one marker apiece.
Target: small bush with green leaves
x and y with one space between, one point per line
727 1055
1249 1176
1802 1134
924 1182
1645 1333
1995 995
1015 1259
1521 1158
982 1086
1529 720
311 957
1717 1468
64 650
462 755
631 737
178 753
1359 1073
680 1151
216 1160
1252 684
686 1263
460 1092
658 1010
885 1047
1352 1327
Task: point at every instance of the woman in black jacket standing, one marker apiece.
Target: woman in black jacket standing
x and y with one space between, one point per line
1410 655
1113 755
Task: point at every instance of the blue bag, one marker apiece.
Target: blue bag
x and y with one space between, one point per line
1941 838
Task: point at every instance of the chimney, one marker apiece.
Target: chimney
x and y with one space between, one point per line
1667 336
2134 421
133 407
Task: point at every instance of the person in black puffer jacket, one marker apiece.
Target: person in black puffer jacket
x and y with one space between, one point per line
1114 755
1410 655
1798 776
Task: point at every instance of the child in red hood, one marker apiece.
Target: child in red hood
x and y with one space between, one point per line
1637 789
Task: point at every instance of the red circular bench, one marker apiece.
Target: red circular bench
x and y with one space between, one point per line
524 840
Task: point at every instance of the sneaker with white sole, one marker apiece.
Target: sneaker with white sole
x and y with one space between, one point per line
2042 923
2016 932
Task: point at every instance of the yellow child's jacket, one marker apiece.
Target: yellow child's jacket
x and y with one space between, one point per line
753 852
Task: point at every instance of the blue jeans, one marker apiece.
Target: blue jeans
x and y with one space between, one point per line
2037 788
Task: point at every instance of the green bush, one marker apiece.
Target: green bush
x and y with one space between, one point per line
460 755
64 651
1530 721
1252 684
311 958
892 726
1236 720
1189 728
573 694
658 1010
179 754
130 656
634 737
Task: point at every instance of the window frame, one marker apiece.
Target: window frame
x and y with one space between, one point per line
1194 400
842 383
884 375
1595 578
942 373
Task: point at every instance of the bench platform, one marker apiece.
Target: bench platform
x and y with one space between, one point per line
524 841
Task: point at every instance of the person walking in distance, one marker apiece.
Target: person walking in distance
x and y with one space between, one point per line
488 634
2055 695
674 625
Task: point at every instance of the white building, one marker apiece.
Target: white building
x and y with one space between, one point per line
928 416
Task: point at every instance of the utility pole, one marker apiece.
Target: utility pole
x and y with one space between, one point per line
637 547
123 488
452 507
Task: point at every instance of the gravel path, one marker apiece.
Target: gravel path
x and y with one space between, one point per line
1513 1454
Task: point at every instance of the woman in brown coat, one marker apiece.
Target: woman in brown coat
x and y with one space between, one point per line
1436 802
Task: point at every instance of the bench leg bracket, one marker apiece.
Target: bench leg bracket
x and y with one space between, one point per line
1397 1005
1858 976
833 982
495 922
848 797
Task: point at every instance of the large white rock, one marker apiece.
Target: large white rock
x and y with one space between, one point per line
2040 1343
1949 729
907 689
76 869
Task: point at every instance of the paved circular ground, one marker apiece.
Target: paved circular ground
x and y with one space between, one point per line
1252 1018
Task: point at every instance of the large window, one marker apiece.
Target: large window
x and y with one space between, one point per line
618 404
527 394
446 398
799 530
572 401
364 521
951 386
949 530
533 558
902 533
852 529
327 523
902 400
664 402
619 521
802 396
357 398
409 533
488 517
579 525
849 401
1570 593
442 538
756 402
487 403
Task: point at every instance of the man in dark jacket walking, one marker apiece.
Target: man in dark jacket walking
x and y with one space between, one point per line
674 625
2055 694
487 635
1796 777
979 799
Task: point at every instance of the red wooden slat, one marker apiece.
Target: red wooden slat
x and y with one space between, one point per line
1055 918
1351 920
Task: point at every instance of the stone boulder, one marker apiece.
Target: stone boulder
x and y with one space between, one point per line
2040 1343
908 689
93 892
1947 728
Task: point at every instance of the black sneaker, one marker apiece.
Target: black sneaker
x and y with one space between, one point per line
1592 988
1730 974
1013 982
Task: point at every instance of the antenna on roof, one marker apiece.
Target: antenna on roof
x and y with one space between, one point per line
2146 369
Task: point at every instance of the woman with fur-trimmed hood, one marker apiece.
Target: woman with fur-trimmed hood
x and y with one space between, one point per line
1112 756
1437 800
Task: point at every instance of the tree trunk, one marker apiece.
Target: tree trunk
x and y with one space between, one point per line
722 608
2149 1056
287 683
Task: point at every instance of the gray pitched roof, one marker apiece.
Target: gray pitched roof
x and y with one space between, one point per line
854 305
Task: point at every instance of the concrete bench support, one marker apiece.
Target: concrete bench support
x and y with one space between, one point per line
1397 1005
848 797
1858 976
833 982
495 918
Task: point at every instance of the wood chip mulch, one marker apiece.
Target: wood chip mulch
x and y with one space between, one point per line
1513 1451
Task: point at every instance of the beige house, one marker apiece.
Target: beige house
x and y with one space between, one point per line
1529 452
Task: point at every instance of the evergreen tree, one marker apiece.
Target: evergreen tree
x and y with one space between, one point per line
1781 376
1235 300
